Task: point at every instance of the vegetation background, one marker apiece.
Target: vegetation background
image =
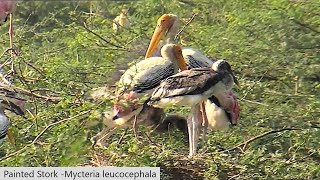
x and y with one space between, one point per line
273 45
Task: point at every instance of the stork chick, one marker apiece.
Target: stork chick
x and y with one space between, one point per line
121 21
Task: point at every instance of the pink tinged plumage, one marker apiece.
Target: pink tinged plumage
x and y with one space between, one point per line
6 7
230 103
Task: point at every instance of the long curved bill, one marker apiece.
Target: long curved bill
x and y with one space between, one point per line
182 63
10 137
235 79
156 37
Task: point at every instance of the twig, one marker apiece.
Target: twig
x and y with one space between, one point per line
40 134
253 85
122 136
15 153
100 37
189 21
255 102
30 93
58 122
291 95
307 26
150 140
242 146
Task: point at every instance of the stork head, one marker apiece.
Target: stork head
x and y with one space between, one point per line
222 110
173 52
222 66
6 7
122 111
125 105
167 25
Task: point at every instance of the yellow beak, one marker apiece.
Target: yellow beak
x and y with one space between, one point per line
181 63
10 137
156 37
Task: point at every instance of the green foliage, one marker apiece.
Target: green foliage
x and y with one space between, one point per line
272 45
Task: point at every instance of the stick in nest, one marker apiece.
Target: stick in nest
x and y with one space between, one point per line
189 21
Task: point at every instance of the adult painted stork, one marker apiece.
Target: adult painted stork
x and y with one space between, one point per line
190 88
168 25
121 21
7 8
138 82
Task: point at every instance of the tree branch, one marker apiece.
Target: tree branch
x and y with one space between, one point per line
30 93
307 26
103 39
189 21
242 146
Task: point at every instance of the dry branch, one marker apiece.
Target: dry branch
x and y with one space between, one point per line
189 21
242 146
30 93
304 25
103 39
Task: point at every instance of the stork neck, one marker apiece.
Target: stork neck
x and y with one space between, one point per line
171 57
170 39
172 32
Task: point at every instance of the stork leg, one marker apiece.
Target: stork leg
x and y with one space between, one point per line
11 35
11 31
190 132
135 128
204 121
101 137
193 127
196 131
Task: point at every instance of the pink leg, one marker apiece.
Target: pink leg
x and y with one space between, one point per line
11 32
204 121
193 126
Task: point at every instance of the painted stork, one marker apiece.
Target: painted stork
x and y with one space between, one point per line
168 25
190 88
137 84
121 21
7 8
139 81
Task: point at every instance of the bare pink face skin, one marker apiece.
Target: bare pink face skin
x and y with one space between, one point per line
122 110
230 103
6 7
235 109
